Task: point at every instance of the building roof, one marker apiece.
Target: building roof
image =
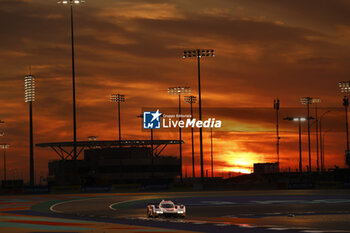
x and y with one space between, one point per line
65 153
110 143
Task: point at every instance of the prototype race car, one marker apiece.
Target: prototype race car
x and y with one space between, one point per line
166 209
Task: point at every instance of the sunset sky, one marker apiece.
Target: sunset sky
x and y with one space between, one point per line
264 49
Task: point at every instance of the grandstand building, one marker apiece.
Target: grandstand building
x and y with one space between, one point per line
113 162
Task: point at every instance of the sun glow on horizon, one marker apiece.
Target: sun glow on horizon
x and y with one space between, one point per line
239 170
241 162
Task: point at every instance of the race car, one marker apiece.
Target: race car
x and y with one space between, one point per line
166 208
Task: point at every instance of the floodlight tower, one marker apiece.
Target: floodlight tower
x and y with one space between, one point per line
179 91
307 101
191 100
29 86
322 148
199 53
345 88
316 101
276 106
71 3
299 119
321 141
4 147
118 98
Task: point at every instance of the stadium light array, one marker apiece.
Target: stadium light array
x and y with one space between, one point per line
179 90
118 98
70 1
199 53
29 88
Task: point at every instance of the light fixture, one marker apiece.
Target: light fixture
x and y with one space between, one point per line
4 146
190 99
179 90
29 88
344 86
70 1
199 53
117 98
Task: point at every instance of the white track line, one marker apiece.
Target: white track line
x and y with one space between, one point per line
198 223
245 226
52 208
223 224
111 205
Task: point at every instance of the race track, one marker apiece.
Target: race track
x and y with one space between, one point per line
239 211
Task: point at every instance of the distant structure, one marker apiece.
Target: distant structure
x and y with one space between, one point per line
93 138
266 168
12 184
29 93
112 162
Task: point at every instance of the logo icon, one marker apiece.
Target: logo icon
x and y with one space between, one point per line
151 120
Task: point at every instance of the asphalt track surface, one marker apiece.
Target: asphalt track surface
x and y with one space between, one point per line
240 211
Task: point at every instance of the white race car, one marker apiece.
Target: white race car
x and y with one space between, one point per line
166 209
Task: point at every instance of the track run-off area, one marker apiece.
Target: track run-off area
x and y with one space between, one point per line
227 211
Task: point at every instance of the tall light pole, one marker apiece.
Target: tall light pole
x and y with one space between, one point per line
4 147
307 101
316 101
191 100
179 91
71 3
29 91
199 53
321 141
299 119
118 98
345 88
276 106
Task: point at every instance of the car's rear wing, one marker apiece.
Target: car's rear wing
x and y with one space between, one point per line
156 205
153 204
179 205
